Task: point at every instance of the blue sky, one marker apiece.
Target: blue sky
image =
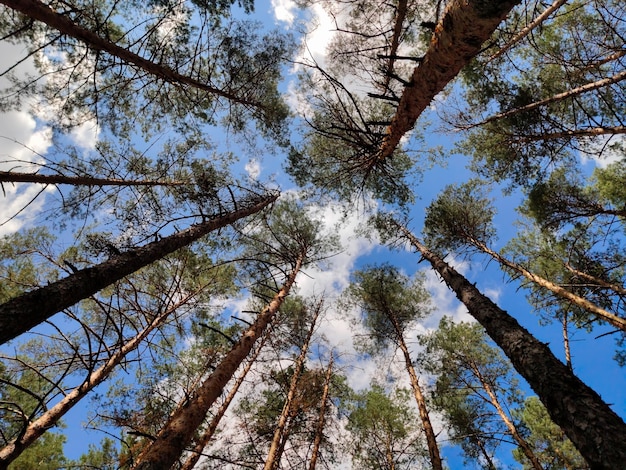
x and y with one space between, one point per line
592 357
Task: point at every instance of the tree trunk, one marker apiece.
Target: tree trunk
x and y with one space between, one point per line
219 414
398 27
15 177
42 12
602 283
273 455
563 293
597 431
568 353
588 132
493 398
431 440
458 37
319 430
177 433
532 25
22 313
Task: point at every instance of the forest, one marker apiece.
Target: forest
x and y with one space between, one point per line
312 234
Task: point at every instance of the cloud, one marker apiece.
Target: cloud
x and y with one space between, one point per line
253 168
284 10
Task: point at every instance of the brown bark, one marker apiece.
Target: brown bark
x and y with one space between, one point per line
273 455
177 433
401 11
22 313
605 315
41 12
532 25
590 132
321 422
493 398
588 277
14 177
458 37
431 440
47 420
593 427
219 414
552 99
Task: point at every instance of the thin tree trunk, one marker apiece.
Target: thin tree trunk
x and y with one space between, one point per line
590 132
221 411
401 11
22 313
593 427
47 420
552 99
177 433
15 177
493 398
568 353
526 31
600 282
273 455
431 439
321 422
42 12
609 317
458 37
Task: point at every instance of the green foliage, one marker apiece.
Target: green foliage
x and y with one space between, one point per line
460 217
46 454
388 302
549 443
104 456
383 430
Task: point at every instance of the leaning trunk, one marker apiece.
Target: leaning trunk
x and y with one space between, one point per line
319 430
597 431
178 432
22 313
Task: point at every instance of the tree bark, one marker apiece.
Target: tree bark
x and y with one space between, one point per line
431 440
22 313
563 293
273 455
321 422
597 431
589 132
42 12
15 177
47 420
177 433
458 37
219 414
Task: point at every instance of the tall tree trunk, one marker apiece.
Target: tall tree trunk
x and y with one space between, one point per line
532 25
431 439
15 177
561 292
521 442
458 37
321 422
273 455
398 27
588 132
40 11
47 420
221 411
597 431
602 283
22 313
177 433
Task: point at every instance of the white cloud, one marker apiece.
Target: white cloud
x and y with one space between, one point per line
284 10
253 168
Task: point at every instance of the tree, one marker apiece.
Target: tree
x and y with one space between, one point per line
389 304
382 430
474 380
572 405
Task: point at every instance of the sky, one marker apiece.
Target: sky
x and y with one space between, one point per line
26 138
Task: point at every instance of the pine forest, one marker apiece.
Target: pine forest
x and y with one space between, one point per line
313 234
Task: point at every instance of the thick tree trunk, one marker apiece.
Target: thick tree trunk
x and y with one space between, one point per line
597 431
177 433
521 442
431 439
15 177
563 293
221 411
273 455
40 11
22 313
47 420
458 37
321 422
